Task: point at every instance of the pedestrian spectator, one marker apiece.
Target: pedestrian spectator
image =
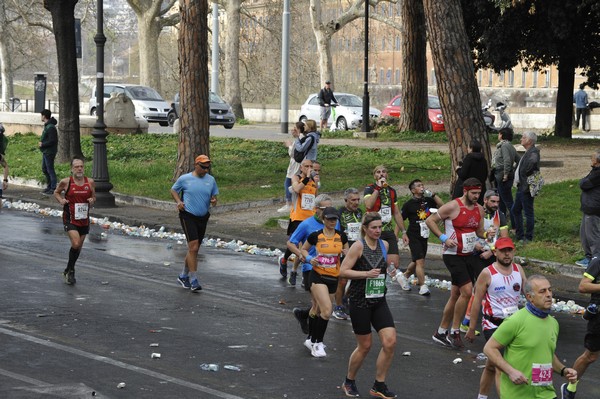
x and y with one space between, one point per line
293 167
463 223
529 339
580 98
528 165
304 191
497 294
416 210
294 245
49 147
504 163
79 196
365 265
589 232
326 98
308 144
194 193
474 165
589 284
382 198
323 278
3 163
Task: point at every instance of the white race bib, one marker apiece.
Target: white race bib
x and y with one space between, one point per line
308 202
468 242
507 312
424 229
353 231
81 211
386 214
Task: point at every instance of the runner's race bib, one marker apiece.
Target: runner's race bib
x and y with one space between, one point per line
507 312
375 287
468 242
327 261
81 211
308 202
386 214
541 374
424 229
353 231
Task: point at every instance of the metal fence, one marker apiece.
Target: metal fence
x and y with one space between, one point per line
26 105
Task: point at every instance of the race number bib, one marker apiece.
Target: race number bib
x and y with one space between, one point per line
353 231
308 202
375 287
468 242
327 261
507 312
541 374
424 229
81 211
386 214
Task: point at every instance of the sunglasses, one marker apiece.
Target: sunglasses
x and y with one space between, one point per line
203 167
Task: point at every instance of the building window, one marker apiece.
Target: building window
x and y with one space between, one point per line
501 78
511 78
397 43
397 76
381 76
490 78
535 79
433 77
480 77
523 78
547 83
383 44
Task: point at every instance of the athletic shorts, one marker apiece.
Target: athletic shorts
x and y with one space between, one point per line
487 334
306 279
392 241
462 268
193 226
325 112
292 226
329 281
378 316
591 342
82 230
418 247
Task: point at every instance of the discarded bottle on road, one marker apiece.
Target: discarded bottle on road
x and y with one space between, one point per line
591 311
391 271
209 367
232 368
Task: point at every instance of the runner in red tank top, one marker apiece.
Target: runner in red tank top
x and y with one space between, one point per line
79 196
463 219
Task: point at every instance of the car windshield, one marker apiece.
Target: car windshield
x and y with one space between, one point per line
143 93
349 101
434 102
216 99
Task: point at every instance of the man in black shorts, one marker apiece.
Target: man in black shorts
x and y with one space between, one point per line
382 198
80 195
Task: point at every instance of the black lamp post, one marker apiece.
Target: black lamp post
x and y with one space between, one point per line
365 110
104 198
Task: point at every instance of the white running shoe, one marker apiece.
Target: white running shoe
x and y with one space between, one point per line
308 344
424 290
403 281
284 209
318 350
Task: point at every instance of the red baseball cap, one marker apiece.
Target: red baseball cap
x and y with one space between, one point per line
504 242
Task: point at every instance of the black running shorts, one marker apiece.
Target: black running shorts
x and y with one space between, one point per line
329 281
82 230
193 226
392 241
418 247
378 316
463 269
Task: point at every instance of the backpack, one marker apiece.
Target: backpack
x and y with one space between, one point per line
300 155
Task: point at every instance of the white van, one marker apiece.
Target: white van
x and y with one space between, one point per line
148 103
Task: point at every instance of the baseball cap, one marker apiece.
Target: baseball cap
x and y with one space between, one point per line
202 159
504 242
327 82
330 213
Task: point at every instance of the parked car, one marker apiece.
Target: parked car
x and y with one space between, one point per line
436 120
147 102
348 112
219 110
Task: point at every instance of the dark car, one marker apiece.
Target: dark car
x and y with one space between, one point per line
220 112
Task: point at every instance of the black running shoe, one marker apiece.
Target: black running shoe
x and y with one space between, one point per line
292 279
299 315
441 339
70 277
350 389
382 392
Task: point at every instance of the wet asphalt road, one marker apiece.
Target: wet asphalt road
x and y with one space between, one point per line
67 341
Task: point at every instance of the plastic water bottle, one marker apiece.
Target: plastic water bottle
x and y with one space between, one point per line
591 311
427 194
392 272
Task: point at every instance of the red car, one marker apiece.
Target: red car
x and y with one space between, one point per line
436 120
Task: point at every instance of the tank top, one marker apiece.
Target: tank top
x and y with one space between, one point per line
328 251
304 202
77 210
463 229
502 297
369 259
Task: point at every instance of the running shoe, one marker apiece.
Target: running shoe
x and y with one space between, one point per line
403 281
282 266
308 343
424 290
339 313
455 340
69 277
195 285
441 339
184 281
583 262
48 191
350 389
284 209
318 350
464 328
292 279
382 392
565 393
299 315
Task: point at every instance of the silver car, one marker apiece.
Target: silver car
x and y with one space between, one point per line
346 115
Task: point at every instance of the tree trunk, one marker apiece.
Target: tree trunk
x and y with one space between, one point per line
149 32
232 58
63 23
323 39
194 89
563 120
6 73
414 115
456 84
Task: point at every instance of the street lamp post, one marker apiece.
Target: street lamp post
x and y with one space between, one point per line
365 110
104 198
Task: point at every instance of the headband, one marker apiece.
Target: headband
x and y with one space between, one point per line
469 188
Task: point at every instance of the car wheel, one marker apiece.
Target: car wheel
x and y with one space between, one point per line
171 118
228 126
163 123
341 123
93 112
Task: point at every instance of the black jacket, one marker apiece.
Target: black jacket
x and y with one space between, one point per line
590 192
